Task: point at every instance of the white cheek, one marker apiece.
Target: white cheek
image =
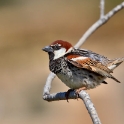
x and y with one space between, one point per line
59 53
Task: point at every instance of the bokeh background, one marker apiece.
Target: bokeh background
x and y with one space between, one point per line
28 25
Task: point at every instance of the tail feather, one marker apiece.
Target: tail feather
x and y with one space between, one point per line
104 82
115 79
115 63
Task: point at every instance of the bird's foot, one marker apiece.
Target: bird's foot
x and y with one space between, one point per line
77 91
67 94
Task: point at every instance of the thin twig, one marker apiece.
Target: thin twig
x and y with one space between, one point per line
97 24
102 8
59 96
47 86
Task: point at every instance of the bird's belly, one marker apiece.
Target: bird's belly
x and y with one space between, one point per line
71 82
81 78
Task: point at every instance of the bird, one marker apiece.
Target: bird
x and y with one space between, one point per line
80 69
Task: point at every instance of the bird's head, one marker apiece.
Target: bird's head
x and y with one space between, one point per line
58 49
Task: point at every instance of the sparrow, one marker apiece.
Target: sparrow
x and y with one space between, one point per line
80 69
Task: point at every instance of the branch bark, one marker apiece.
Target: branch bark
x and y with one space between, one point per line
99 23
82 95
102 8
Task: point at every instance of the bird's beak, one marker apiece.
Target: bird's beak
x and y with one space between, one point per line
47 49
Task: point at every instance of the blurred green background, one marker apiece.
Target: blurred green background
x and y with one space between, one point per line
25 27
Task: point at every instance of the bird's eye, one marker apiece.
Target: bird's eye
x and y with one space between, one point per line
56 47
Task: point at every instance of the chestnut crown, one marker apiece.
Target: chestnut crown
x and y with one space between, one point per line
62 43
59 48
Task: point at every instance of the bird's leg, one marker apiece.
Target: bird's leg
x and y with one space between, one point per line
77 91
67 93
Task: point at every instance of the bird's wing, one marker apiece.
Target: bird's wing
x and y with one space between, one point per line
89 64
90 54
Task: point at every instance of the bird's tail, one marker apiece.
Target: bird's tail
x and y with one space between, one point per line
115 63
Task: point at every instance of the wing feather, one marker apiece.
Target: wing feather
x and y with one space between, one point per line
92 65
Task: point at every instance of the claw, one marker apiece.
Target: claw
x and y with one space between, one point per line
67 93
77 91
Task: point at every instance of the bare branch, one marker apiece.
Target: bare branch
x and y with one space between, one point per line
59 96
47 86
99 23
102 7
90 107
83 95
